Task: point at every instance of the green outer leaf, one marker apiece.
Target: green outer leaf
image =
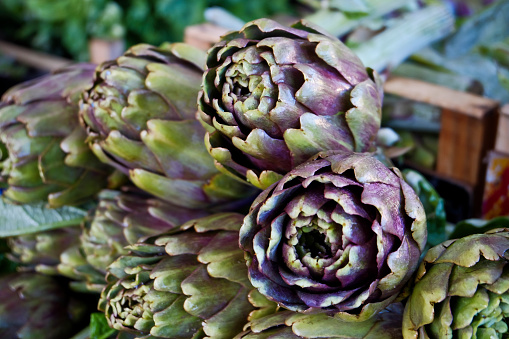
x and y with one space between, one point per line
30 218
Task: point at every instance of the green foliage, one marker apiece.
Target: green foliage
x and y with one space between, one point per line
250 10
99 328
6 265
477 226
31 218
64 27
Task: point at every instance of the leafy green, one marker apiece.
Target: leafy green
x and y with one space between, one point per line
433 206
99 328
30 218
477 226
6 265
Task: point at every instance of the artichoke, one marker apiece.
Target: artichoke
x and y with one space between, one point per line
190 283
339 234
122 218
41 251
47 156
38 306
461 289
140 118
274 96
57 252
286 324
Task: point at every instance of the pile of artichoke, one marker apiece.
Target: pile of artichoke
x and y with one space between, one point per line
231 194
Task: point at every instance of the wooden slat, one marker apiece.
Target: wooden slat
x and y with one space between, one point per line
32 58
461 102
204 35
104 50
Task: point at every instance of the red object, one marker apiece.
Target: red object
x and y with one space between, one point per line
496 189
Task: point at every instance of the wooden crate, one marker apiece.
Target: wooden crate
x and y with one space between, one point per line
39 60
468 130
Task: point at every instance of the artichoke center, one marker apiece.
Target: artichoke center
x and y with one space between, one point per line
315 243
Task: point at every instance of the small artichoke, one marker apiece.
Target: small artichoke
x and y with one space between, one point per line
48 158
122 218
38 306
57 252
286 324
140 118
191 283
41 251
461 290
340 234
274 96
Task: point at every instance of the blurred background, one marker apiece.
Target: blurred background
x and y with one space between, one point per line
461 45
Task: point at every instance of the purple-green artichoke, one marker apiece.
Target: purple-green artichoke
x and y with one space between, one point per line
38 306
41 251
140 118
461 290
190 283
122 218
274 96
340 234
291 325
48 158
57 252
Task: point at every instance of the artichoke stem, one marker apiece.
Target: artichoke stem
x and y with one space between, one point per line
407 35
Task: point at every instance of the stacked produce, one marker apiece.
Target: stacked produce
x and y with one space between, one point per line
253 205
47 156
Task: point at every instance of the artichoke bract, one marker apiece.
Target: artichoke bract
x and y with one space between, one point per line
48 158
122 218
274 96
140 118
461 289
339 234
191 283
38 306
286 324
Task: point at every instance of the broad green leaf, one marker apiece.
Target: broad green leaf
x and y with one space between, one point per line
99 328
30 218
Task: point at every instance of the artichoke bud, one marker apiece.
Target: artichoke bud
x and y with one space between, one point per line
47 156
56 252
276 95
461 289
122 218
41 251
195 274
33 305
340 234
140 117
